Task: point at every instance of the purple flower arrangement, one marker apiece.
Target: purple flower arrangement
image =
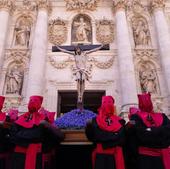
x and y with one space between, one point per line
75 119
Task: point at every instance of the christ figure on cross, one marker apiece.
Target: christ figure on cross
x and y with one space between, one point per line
81 71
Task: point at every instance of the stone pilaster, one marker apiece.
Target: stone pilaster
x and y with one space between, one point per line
125 56
36 75
163 37
6 7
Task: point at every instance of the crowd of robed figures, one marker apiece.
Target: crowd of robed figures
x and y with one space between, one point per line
29 141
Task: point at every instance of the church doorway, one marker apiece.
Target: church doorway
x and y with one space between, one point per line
74 156
67 100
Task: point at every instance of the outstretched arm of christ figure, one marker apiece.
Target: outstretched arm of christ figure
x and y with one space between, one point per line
95 49
64 51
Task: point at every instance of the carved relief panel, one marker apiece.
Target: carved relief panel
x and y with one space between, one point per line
57 31
81 4
81 30
105 31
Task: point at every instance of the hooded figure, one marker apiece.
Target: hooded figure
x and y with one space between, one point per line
52 137
5 145
106 131
27 136
148 137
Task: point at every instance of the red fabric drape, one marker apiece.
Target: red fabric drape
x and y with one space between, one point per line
31 153
156 117
164 153
115 151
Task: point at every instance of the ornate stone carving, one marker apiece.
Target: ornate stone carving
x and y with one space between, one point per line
81 30
105 31
156 4
91 61
141 31
14 80
44 4
59 65
27 6
81 4
144 56
57 31
120 4
136 6
7 4
22 31
17 56
104 65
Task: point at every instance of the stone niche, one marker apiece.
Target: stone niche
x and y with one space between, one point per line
81 30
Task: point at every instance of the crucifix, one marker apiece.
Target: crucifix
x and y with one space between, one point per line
80 53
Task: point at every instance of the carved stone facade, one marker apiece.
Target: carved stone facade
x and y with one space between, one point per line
57 31
129 27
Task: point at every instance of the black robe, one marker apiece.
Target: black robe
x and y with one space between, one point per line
137 136
52 137
5 147
108 140
21 136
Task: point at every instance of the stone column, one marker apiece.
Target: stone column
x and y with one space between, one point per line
163 36
125 57
6 7
36 75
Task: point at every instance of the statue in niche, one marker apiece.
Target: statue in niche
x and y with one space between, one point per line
141 33
22 32
14 80
81 31
148 80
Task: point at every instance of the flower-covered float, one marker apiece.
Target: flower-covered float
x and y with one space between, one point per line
73 124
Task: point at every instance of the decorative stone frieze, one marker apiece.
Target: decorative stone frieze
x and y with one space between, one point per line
80 5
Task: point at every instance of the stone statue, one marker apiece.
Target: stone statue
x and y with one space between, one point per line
141 33
81 71
148 81
14 81
82 30
22 34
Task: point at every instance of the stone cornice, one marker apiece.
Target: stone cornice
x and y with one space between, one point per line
7 5
157 4
119 4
